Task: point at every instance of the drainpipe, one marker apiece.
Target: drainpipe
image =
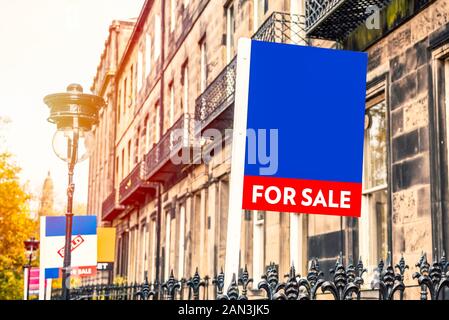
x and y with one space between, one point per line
161 127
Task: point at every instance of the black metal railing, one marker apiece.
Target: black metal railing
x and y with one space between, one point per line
219 95
282 27
336 19
345 283
109 206
134 181
179 135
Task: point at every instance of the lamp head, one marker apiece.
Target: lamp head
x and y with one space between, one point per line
74 114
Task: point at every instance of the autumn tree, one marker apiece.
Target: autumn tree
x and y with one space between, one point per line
15 227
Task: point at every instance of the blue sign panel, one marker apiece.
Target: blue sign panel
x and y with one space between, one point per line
305 129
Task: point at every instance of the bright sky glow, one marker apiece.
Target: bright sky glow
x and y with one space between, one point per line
46 45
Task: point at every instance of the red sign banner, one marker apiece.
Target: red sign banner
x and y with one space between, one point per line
76 242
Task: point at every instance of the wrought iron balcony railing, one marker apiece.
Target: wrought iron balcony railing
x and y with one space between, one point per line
134 186
179 135
282 28
111 207
219 95
336 19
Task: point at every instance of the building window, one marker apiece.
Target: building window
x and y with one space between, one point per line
119 102
153 248
185 88
171 111
125 91
137 147
260 10
230 30
172 15
157 126
147 55
157 36
139 69
203 65
134 254
181 247
167 245
122 173
131 86
146 135
258 245
128 168
374 222
117 166
123 254
143 251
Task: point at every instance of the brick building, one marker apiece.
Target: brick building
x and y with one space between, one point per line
175 64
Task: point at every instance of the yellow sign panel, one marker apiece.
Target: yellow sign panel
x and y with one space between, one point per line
106 244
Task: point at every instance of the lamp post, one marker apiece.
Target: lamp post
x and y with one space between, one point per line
74 114
31 245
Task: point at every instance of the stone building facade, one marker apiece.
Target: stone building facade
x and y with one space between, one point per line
101 165
177 70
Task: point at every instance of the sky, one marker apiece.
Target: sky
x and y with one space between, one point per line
46 45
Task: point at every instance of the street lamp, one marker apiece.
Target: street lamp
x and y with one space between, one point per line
31 245
74 114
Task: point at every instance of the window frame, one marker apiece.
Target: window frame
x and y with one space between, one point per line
148 55
438 144
203 64
230 30
377 91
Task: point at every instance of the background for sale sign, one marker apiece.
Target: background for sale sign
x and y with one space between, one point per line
84 244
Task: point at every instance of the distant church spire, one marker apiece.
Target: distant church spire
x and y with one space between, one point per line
46 200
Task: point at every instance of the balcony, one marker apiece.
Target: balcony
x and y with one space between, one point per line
163 161
211 105
134 188
111 208
214 107
336 19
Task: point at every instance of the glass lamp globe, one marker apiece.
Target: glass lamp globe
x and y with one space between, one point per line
63 141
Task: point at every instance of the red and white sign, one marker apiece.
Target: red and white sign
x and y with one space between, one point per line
76 242
34 279
311 196
87 271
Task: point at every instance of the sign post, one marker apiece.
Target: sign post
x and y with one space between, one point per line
237 161
298 134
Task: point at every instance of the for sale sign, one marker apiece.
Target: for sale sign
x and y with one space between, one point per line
301 110
83 246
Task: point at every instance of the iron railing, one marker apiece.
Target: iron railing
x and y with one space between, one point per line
134 181
110 205
336 19
178 136
345 283
282 27
219 95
